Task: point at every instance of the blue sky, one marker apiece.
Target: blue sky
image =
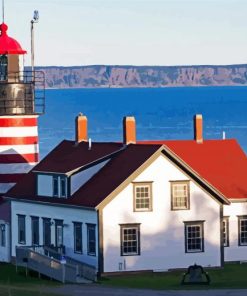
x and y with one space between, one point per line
132 32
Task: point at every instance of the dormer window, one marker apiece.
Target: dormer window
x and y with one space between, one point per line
60 186
52 185
63 186
55 186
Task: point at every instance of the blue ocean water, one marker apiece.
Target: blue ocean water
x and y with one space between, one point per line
161 113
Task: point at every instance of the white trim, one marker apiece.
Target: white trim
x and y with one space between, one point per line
20 116
19 149
16 168
15 132
4 187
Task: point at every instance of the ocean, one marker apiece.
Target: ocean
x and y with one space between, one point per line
161 113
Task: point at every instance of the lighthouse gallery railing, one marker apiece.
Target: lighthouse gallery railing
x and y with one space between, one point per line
23 93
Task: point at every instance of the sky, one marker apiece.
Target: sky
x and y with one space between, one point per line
131 32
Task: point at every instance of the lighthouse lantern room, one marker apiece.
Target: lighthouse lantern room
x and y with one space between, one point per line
22 100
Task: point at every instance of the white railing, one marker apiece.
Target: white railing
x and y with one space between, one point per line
37 259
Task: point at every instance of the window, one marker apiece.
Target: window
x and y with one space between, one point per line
130 239
143 196
91 240
179 195
2 235
55 186
242 230
35 230
63 187
225 231
21 229
46 231
194 237
77 237
59 233
59 186
3 67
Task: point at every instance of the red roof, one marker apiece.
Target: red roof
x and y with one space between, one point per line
222 163
9 45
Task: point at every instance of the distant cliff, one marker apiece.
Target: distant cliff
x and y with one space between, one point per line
144 76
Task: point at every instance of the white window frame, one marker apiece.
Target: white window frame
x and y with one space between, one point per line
33 220
55 179
3 235
91 227
190 238
225 231
78 225
60 180
141 187
63 179
240 220
176 201
20 241
124 239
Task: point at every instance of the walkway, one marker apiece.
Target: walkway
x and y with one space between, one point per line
98 290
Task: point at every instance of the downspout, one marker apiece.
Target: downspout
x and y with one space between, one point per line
222 248
100 243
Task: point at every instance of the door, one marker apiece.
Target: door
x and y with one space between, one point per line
46 231
4 242
59 233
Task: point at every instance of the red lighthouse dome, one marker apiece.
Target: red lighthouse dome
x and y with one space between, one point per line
9 45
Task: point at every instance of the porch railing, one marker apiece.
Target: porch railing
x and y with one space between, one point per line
53 264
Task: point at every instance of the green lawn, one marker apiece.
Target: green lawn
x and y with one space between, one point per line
231 276
17 284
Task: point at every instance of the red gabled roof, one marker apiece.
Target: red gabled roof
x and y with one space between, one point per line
222 163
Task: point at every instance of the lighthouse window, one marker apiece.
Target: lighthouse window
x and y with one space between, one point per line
3 67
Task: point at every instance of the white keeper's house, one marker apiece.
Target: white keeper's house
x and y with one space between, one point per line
134 206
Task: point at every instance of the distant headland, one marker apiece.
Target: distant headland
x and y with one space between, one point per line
103 76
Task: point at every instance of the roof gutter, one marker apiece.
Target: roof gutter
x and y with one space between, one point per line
49 203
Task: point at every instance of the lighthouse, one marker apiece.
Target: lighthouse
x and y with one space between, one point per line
22 100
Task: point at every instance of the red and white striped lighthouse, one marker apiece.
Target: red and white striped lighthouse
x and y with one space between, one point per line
21 102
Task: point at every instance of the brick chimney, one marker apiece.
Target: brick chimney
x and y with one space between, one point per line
198 129
129 130
81 128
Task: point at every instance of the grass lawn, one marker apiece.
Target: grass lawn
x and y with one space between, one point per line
231 276
17 284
